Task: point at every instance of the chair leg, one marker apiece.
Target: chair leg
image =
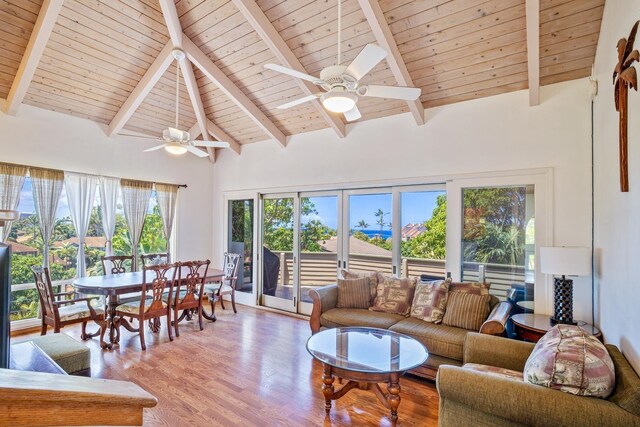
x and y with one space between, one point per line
200 316
233 300
56 329
43 328
103 329
169 329
175 323
143 345
83 333
221 299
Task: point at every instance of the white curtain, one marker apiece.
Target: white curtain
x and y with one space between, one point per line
135 200
11 182
81 193
109 189
47 186
167 195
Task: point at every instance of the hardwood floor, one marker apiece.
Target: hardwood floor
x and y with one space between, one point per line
249 369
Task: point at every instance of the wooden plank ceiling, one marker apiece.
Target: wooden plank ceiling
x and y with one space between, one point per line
454 50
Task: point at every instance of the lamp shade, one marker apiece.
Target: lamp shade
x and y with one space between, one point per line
566 261
7 215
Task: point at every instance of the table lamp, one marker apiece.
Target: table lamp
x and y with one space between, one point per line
564 261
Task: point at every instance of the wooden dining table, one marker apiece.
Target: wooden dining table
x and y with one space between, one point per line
114 285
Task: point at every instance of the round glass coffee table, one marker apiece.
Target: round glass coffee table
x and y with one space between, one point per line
365 357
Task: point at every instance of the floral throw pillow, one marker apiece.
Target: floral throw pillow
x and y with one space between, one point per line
372 276
430 300
394 296
568 359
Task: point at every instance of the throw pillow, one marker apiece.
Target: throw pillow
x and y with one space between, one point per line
470 288
568 359
395 296
354 293
466 310
430 300
372 276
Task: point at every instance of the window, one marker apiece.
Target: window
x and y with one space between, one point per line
498 240
63 252
241 241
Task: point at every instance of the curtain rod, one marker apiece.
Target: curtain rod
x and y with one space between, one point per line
92 174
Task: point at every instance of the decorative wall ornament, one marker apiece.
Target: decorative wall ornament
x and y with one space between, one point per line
624 76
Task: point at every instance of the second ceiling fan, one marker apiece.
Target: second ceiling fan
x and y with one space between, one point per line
341 84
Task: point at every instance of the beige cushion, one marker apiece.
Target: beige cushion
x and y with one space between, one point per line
134 306
466 310
442 340
77 311
372 276
211 288
470 288
337 317
430 300
354 293
394 295
71 355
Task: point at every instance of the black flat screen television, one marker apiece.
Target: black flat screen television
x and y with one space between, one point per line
5 303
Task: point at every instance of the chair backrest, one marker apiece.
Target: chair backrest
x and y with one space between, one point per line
231 267
117 264
154 259
155 279
45 292
191 278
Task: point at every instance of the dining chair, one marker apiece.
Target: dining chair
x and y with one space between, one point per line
154 259
227 286
188 292
117 263
65 308
150 306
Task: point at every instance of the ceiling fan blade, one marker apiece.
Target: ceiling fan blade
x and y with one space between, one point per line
211 144
197 152
297 102
391 92
366 60
157 147
293 73
353 114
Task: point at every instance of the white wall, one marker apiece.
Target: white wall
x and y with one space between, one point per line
491 134
617 214
39 137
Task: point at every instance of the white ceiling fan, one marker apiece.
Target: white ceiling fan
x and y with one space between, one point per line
342 84
177 141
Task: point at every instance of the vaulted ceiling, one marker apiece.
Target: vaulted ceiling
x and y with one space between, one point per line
97 53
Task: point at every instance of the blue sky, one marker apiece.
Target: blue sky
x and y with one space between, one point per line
416 207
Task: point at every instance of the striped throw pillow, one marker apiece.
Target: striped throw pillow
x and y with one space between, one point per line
466 310
354 293
371 275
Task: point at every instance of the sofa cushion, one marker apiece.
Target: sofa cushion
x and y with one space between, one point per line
394 295
337 317
568 359
495 371
430 300
627 391
466 310
442 340
372 276
354 293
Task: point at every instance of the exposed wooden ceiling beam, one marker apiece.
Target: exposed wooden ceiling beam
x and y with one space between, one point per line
265 29
196 101
171 18
225 84
37 42
142 89
384 37
533 50
215 131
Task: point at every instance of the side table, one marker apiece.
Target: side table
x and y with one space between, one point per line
531 327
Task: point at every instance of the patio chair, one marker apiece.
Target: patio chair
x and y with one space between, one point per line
188 292
154 259
58 313
150 306
117 263
227 286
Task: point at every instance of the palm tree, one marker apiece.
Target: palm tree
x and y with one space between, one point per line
362 224
379 214
624 76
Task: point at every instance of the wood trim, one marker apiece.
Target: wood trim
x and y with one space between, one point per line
533 50
225 84
142 89
196 100
263 26
31 58
384 37
170 15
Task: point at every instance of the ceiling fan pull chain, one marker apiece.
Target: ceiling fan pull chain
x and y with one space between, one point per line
339 32
177 91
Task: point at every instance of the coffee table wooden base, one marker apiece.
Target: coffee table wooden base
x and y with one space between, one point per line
362 381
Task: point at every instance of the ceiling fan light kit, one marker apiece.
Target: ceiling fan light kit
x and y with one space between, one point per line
339 101
175 149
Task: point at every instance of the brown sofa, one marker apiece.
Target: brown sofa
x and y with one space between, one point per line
469 397
444 343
